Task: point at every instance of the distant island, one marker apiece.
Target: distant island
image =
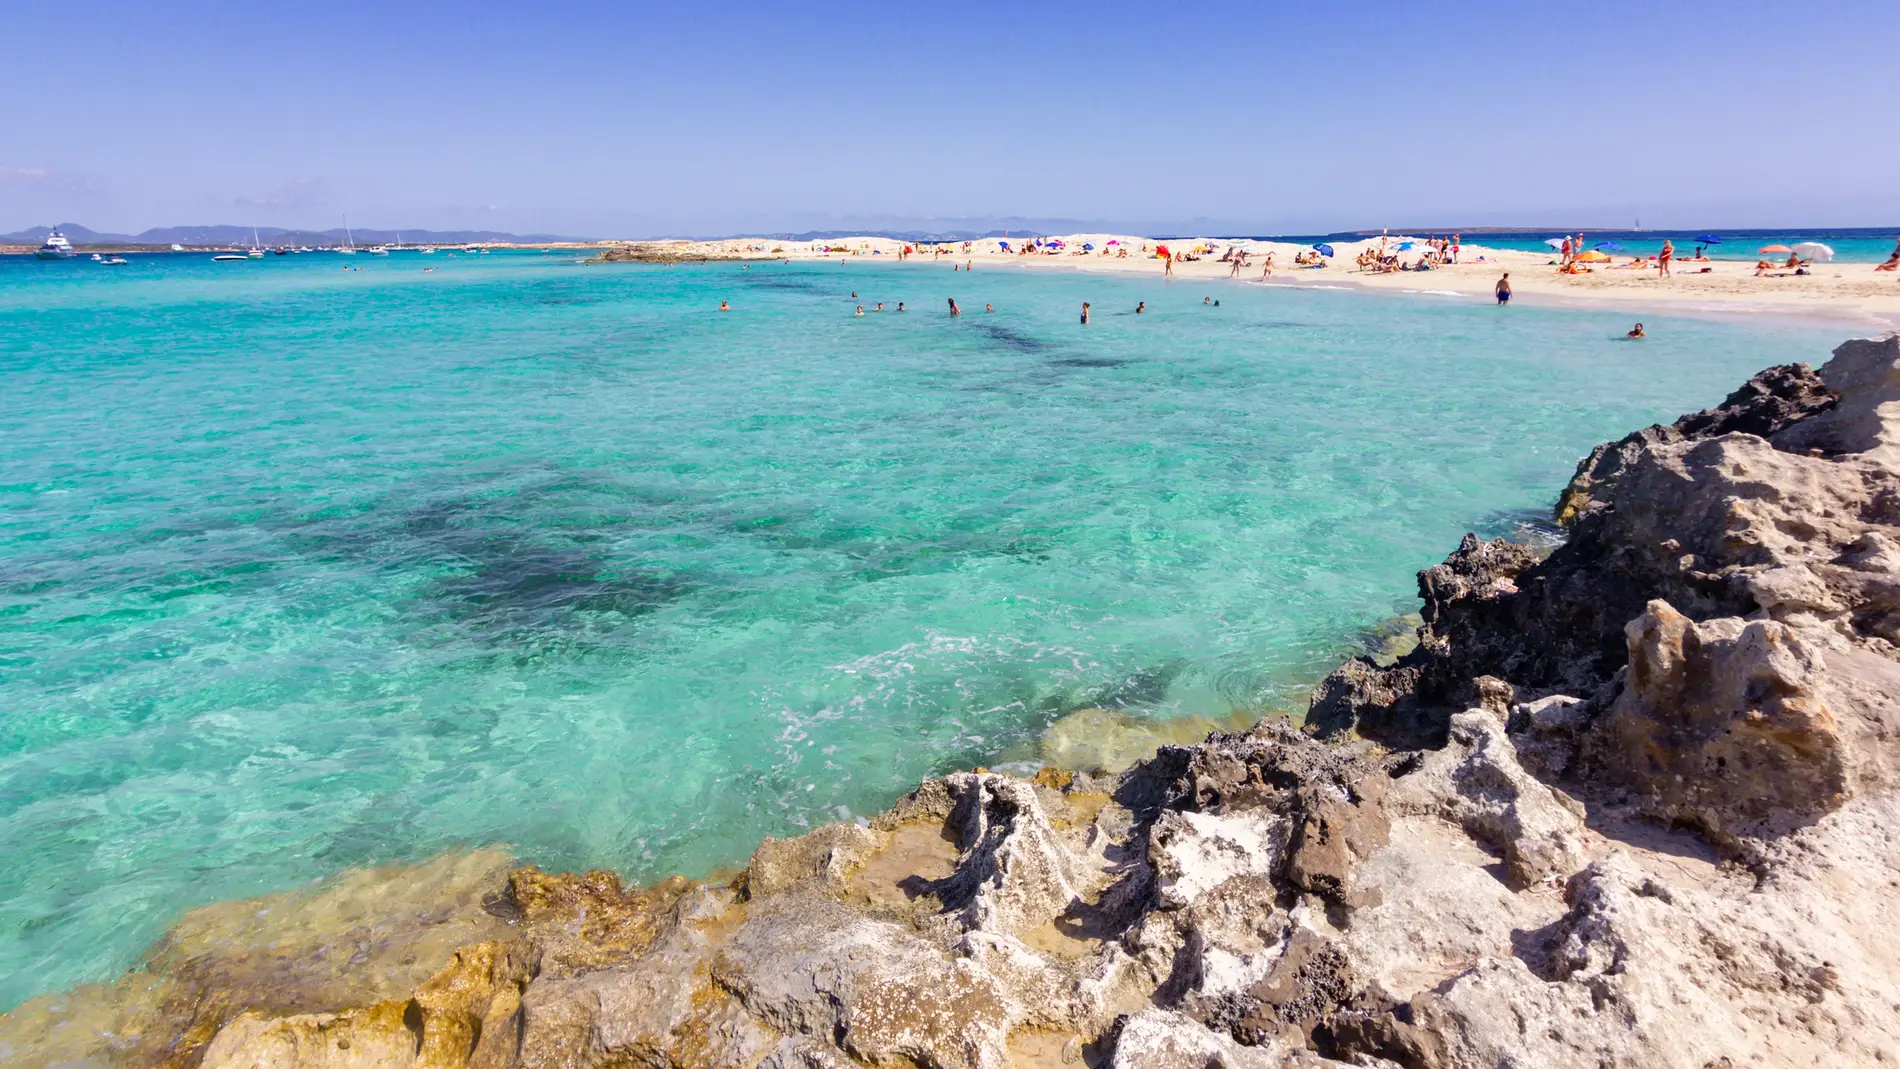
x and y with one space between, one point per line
224 235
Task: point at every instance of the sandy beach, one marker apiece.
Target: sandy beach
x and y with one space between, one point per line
1848 291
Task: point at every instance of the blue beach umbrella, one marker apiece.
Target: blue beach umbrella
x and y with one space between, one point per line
1608 246
1323 250
1086 245
1404 245
1005 245
1707 240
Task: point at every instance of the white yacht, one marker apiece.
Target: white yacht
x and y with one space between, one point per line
378 250
56 247
256 252
177 247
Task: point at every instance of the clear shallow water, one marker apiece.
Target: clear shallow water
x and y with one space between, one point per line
304 568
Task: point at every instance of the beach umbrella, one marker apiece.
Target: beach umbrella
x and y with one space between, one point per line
1594 257
1113 241
1556 243
1323 250
1404 245
1814 250
1775 248
1086 245
1005 245
1708 240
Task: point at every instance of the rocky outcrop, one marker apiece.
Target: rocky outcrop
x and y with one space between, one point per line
1771 401
1629 805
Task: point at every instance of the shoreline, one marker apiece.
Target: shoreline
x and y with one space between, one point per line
1009 898
1851 293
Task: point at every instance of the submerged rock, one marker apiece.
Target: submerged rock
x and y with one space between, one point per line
1631 805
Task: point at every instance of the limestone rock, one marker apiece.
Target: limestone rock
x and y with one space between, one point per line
1014 873
807 965
374 1037
1774 399
1865 374
1723 724
825 856
1477 782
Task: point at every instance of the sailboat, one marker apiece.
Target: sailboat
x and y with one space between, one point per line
349 240
256 252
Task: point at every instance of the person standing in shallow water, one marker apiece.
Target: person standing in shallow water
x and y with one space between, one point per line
1085 313
1504 290
954 310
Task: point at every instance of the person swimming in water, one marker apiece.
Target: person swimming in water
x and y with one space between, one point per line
724 307
954 310
860 311
987 308
1636 332
1140 307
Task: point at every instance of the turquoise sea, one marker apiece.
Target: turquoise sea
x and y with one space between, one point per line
304 568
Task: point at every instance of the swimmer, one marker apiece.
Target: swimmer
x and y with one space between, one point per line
954 310
1636 332
879 308
854 295
900 306
1085 313
1140 307
1207 300
860 311
987 308
724 307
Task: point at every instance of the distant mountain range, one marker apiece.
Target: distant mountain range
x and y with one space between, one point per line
270 235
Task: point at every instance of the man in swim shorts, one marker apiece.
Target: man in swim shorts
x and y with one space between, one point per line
1504 289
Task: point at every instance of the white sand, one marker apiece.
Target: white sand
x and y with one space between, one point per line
1849 291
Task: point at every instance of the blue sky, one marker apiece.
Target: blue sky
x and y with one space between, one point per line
631 119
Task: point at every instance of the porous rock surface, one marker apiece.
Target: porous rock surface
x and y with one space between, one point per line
1629 805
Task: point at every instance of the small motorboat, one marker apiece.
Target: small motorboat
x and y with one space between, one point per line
96 257
230 256
113 261
378 250
177 247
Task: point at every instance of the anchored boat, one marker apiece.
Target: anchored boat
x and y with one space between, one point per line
56 247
